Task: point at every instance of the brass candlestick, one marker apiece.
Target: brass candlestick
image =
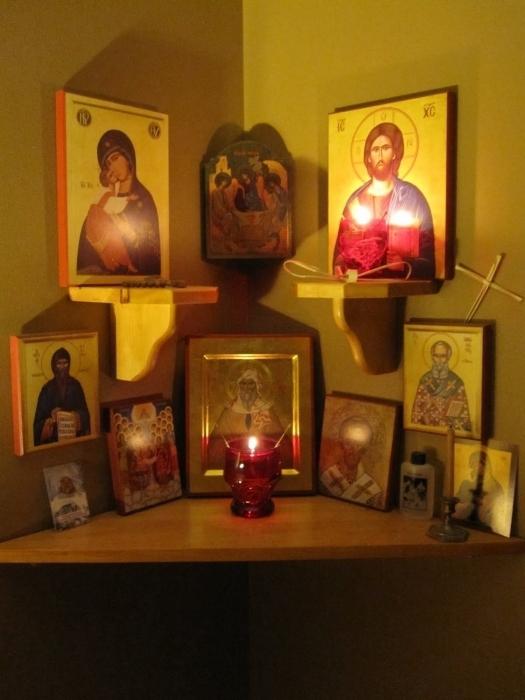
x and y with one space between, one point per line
447 531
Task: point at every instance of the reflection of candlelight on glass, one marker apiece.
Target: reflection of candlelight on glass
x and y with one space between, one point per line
403 234
361 215
252 467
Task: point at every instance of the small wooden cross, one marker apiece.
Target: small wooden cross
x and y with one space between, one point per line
488 283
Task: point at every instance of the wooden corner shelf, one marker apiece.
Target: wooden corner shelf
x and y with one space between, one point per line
373 325
204 530
143 318
369 289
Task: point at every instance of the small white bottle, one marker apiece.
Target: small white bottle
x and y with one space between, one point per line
417 486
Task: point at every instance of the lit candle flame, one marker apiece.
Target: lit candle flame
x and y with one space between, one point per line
252 443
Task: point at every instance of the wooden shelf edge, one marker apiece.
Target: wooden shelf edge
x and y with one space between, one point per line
144 295
372 326
369 289
203 530
138 333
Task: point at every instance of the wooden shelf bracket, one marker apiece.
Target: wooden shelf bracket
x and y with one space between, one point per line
142 319
371 315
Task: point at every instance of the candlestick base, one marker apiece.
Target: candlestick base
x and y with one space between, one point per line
259 510
447 531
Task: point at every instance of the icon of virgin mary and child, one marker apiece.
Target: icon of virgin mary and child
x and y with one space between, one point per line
120 234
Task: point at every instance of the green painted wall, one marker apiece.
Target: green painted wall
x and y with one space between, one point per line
109 632
362 629
396 629
178 57
304 58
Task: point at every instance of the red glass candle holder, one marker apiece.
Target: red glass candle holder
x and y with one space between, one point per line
252 469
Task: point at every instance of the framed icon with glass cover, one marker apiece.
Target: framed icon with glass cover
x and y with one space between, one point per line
249 386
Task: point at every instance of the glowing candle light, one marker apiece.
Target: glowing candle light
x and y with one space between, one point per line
252 467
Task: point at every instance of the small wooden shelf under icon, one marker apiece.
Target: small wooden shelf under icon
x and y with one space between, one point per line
143 318
371 314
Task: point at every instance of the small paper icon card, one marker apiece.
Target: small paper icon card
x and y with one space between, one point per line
67 495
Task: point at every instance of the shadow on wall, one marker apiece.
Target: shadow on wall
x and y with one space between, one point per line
179 78
197 91
66 315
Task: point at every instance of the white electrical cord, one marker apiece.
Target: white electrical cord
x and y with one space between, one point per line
350 276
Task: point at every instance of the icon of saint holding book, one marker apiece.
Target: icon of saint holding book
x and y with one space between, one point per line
61 410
